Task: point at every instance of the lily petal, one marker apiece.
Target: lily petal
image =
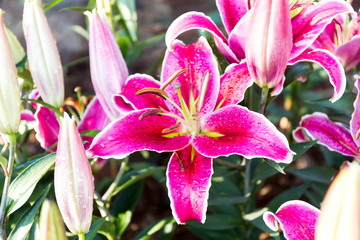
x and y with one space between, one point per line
197 58
332 135
312 20
46 127
349 53
244 132
188 183
129 134
237 37
231 12
233 84
299 136
297 220
331 65
27 115
326 38
137 82
196 20
355 117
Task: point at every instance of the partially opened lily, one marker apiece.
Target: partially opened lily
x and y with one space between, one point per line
196 118
308 22
339 217
332 135
342 37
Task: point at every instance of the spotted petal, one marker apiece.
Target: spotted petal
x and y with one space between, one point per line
196 20
188 182
46 127
297 220
331 65
129 134
197 58
312 20
135 83
233 84
332 135
236 130
231 12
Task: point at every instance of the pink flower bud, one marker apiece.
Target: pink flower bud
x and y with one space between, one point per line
9 86
268 41
43 55
108 68
74 182
51 223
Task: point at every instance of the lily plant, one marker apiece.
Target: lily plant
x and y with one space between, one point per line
192 113
333 135
308 20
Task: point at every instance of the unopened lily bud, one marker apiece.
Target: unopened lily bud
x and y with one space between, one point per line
43 55
15 46
268 41
9 86
108 68
51 223
73 179
340 210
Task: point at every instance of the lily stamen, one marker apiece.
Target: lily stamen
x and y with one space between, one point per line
158 92
172 78
153 112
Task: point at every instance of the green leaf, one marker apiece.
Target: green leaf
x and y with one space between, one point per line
3 163
256 218
23 227
216 222
127 10
94 229
344 104
315 174
76 9
52 4
301 148
218 200
292 194
294 72
89 133
276 166
23 185
57 111
153 228
135 176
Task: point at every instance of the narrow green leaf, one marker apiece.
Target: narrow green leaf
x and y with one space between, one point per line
23 227
52 4
275 165
137 175
76 9
94 229
89 133
23 185
301 148
216 222
344 104
3 163
127 10
256 219
292 194
315 174
153 228
81 31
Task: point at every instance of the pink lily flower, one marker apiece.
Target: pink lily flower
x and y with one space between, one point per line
332 135
198 120
108 68
339 217
306 27
75 195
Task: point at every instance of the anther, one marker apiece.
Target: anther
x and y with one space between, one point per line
172 78
158 92
204 86
171 129
153 112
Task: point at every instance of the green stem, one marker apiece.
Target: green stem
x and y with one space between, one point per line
263 100
108 194
247 177
81 236
229 164
12 147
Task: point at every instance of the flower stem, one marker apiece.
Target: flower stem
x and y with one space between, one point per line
12 147
263 100
81 236
108 194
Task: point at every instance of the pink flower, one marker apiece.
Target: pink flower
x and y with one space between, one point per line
306 27
198 120
332 135
342 37
73 180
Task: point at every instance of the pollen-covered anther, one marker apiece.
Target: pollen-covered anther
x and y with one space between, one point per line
357 135
152 112
172 78
158 92
171 129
